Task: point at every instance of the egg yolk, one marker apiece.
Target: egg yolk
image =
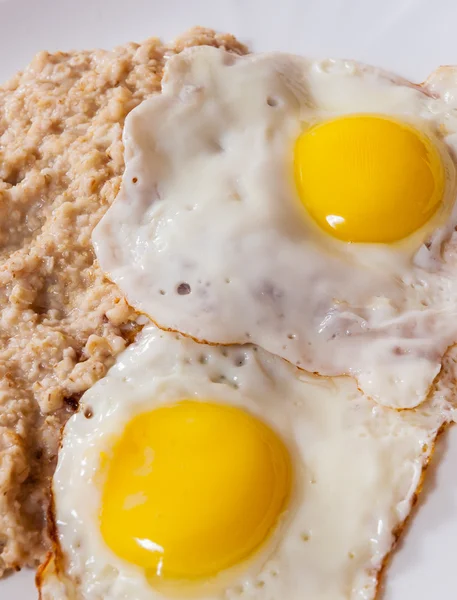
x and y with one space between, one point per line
193 488
368 178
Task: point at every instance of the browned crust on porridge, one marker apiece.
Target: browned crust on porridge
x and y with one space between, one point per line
61 322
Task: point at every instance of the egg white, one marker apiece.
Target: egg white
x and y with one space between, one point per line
208 201
357 467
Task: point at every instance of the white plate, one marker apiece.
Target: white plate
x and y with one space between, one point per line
411 37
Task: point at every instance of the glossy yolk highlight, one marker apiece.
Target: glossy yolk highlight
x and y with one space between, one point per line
368 178
193 488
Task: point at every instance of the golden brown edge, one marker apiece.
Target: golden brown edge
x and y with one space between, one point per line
402 528
53 562
54 557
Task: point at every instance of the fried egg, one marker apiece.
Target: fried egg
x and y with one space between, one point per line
304 206
225 473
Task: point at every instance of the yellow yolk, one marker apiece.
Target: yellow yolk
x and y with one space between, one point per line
368 178
193 488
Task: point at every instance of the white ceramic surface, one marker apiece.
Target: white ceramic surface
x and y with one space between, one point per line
410 37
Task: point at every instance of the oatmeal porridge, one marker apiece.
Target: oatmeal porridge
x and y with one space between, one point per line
61 322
